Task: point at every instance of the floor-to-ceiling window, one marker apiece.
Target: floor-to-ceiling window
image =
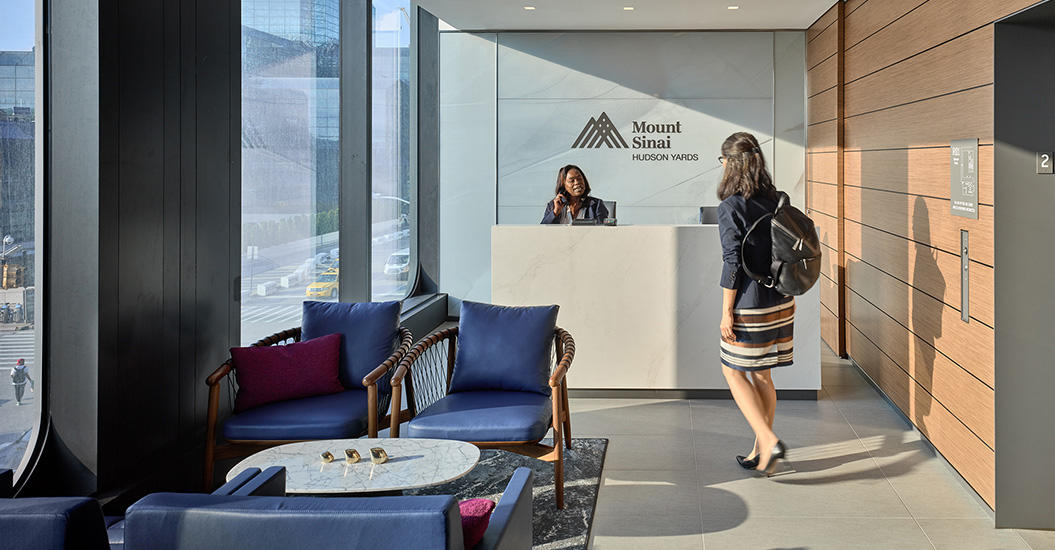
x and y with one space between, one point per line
290 160
391 268
20 246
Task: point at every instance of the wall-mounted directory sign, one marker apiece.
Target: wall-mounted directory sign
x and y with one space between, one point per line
964 178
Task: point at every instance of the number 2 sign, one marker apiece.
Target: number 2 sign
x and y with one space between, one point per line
1045 164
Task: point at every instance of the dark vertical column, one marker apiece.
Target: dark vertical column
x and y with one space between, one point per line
1024 299
69 460
355 187
425 209
840 170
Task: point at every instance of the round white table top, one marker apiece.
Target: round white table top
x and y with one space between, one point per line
412 463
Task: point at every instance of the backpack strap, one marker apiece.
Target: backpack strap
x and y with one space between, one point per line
767 282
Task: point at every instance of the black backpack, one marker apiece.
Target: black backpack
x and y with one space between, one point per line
796 258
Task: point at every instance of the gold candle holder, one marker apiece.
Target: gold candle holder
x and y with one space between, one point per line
351 456
378 455
327 457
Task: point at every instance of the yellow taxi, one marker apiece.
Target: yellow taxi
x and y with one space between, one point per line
324 286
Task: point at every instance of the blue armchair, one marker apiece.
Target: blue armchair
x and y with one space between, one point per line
175 521
367 330
58 523
498 388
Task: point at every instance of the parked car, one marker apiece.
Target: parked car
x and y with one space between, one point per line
324 286
398 264
322 258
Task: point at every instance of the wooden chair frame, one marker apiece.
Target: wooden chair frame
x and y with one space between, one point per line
241 448
561 423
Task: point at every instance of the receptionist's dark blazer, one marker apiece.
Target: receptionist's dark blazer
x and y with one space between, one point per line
595 210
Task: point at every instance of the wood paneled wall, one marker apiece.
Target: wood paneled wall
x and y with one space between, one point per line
891 83
824 157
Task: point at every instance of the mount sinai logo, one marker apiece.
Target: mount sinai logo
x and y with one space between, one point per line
599 130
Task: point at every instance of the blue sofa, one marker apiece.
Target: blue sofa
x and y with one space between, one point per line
76 523
178 521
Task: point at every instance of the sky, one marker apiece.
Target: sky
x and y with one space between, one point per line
16 25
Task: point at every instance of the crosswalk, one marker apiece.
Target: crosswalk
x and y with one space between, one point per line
16 345
271 314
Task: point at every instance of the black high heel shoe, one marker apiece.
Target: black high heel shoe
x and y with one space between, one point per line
747 463
779 452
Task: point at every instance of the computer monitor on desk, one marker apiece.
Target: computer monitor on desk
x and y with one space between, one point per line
708 214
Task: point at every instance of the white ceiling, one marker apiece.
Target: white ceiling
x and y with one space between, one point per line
610 15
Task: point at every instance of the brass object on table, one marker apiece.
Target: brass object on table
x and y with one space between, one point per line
327 457
351 456
378 455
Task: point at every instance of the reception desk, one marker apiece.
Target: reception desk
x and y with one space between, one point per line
642 302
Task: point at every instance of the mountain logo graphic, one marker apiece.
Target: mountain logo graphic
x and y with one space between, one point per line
599 131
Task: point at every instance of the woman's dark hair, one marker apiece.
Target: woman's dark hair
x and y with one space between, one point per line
745 169
562 174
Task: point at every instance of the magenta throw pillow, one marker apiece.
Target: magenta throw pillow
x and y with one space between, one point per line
476 514
267 374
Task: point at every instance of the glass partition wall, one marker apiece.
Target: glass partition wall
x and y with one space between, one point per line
21 180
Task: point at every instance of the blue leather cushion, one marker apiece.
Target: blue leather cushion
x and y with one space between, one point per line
335 416
485 416
52 523
504 348
173 521
368 334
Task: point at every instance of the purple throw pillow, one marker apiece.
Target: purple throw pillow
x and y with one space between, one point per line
476 514
267 374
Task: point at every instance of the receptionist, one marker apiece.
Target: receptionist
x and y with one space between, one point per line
573 200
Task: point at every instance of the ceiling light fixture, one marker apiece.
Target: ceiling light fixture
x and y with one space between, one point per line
529 8
733 7
628 8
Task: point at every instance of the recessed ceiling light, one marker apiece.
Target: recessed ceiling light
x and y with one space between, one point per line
628 8
734 7
529 8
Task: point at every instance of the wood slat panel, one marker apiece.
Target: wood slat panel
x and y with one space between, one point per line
827 228
830 263
829 329
915 264
930 123
823 107
933 23
970 345
921 219
829 293
825 198
822 77
930 74
852 5
874 16
914 171
964 450
823 167
824 46
822 137
963 395
822 23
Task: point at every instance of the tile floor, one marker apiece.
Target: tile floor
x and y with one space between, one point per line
859 477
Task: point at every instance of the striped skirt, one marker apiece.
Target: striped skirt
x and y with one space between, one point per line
765 338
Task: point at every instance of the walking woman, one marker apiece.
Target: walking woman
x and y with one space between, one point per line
19 376
757 321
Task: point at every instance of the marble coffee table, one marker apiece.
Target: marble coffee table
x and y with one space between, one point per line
412 463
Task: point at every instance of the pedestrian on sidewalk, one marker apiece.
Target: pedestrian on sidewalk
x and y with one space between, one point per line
19 377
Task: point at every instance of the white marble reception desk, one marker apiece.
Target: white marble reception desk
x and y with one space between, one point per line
642 302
